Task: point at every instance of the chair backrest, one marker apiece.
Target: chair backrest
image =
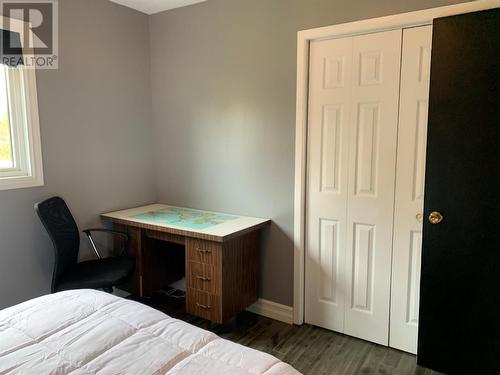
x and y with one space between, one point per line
63 231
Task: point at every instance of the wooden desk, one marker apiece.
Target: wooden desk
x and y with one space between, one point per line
221 255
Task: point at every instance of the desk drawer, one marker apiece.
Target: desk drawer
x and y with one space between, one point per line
204 305
202 251
203 277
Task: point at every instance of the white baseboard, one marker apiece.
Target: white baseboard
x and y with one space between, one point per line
272 310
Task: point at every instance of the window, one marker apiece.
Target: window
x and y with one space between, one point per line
20 149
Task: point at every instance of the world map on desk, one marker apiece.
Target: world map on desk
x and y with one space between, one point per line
184 217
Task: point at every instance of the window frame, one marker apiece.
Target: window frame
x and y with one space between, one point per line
25 127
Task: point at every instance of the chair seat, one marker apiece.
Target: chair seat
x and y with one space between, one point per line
99 273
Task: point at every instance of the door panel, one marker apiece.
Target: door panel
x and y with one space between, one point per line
459 325
329 113
372 163
409 198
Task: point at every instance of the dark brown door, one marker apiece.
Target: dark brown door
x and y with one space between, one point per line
459 326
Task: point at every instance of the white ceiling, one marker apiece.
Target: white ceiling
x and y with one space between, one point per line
155 6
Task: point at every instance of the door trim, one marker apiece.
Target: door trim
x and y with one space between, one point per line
398 21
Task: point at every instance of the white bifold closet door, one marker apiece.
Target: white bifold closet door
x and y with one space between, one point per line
410 175
367 132
329 136
353 119
372 161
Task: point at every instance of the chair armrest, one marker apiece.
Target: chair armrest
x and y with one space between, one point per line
125 236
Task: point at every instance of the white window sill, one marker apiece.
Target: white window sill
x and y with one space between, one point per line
20 182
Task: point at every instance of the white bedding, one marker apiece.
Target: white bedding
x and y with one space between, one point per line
91 332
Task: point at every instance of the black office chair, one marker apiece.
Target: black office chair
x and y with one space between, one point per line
102 273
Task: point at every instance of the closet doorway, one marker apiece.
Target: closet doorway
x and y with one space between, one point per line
357 169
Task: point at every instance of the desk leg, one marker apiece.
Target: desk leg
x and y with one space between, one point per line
240 270
135 249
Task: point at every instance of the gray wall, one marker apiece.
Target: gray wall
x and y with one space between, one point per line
223 83
96 137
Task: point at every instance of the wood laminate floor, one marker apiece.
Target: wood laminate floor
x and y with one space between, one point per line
311 350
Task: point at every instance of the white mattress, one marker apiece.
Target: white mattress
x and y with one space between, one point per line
90 332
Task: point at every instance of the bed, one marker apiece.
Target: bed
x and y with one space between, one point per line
91 332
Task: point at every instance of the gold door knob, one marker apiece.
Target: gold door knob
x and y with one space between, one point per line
435 217
419 217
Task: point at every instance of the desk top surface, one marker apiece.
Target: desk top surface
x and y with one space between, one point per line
186 221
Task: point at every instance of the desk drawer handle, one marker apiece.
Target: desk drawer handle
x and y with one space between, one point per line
203 306
203 278
203 251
